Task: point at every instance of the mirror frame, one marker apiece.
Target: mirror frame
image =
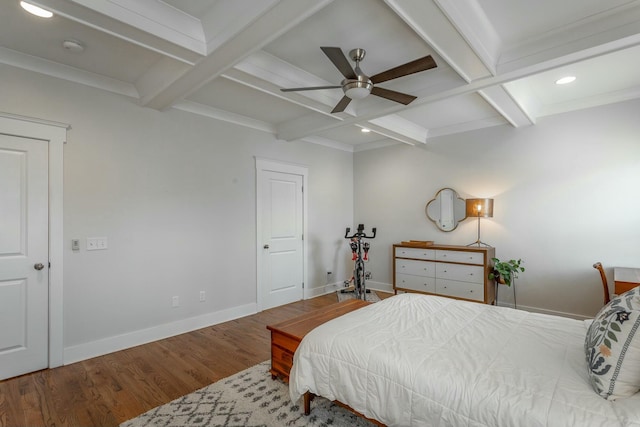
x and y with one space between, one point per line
457 209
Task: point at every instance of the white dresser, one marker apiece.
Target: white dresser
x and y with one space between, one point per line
451 271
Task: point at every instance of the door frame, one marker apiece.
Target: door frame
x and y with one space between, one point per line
55 135
267 165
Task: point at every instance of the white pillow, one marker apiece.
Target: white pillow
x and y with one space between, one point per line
612 347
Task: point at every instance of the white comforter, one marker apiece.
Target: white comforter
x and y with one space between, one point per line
415 360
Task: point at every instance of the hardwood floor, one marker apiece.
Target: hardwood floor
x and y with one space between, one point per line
108 390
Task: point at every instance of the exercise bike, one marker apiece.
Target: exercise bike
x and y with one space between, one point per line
358 247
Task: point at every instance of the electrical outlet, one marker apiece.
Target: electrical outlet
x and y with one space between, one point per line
75 244
202 296
367 275
175 302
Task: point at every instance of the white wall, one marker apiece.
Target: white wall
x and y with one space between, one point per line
565 190
174 193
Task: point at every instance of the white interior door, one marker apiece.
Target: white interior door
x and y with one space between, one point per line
24 265
280 238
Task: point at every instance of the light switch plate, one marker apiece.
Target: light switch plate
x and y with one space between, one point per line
96 243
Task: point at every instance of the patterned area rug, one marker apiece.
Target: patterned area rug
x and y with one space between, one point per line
371 296
248 398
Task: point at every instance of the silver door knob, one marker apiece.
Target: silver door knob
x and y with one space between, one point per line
39 266
266 246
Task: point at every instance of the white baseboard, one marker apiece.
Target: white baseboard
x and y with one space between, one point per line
104 346
379 286
322 290
334 287
545 311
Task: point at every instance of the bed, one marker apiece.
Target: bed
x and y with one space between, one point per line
417 360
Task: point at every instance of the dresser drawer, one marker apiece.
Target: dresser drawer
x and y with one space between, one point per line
416 253
460 256
453 288
416 283
463 273
416 268
447 270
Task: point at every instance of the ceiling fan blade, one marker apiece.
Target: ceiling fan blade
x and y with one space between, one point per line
340 106
297 89
400 97
421 64
341 62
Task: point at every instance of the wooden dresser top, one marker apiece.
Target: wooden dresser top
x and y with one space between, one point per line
488 249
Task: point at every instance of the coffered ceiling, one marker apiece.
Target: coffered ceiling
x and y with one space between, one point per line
497 60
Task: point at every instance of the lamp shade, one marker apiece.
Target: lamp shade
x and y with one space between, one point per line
480 208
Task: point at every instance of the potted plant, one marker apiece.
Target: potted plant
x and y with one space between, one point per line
505 271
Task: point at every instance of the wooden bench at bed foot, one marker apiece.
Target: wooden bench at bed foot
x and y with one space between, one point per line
286 336
308 397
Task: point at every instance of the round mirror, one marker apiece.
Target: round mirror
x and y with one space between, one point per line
446 209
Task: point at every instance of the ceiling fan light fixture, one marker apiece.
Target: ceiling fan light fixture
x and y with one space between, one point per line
35 10
357 89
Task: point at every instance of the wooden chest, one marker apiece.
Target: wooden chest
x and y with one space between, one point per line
286 336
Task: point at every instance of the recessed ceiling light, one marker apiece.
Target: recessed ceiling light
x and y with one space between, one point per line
365 130
565 80
35 10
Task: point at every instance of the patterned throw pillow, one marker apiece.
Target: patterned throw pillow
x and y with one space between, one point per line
612 347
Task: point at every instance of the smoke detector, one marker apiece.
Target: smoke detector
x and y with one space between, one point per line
73 46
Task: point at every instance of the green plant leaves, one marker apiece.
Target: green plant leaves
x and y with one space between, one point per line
506 270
